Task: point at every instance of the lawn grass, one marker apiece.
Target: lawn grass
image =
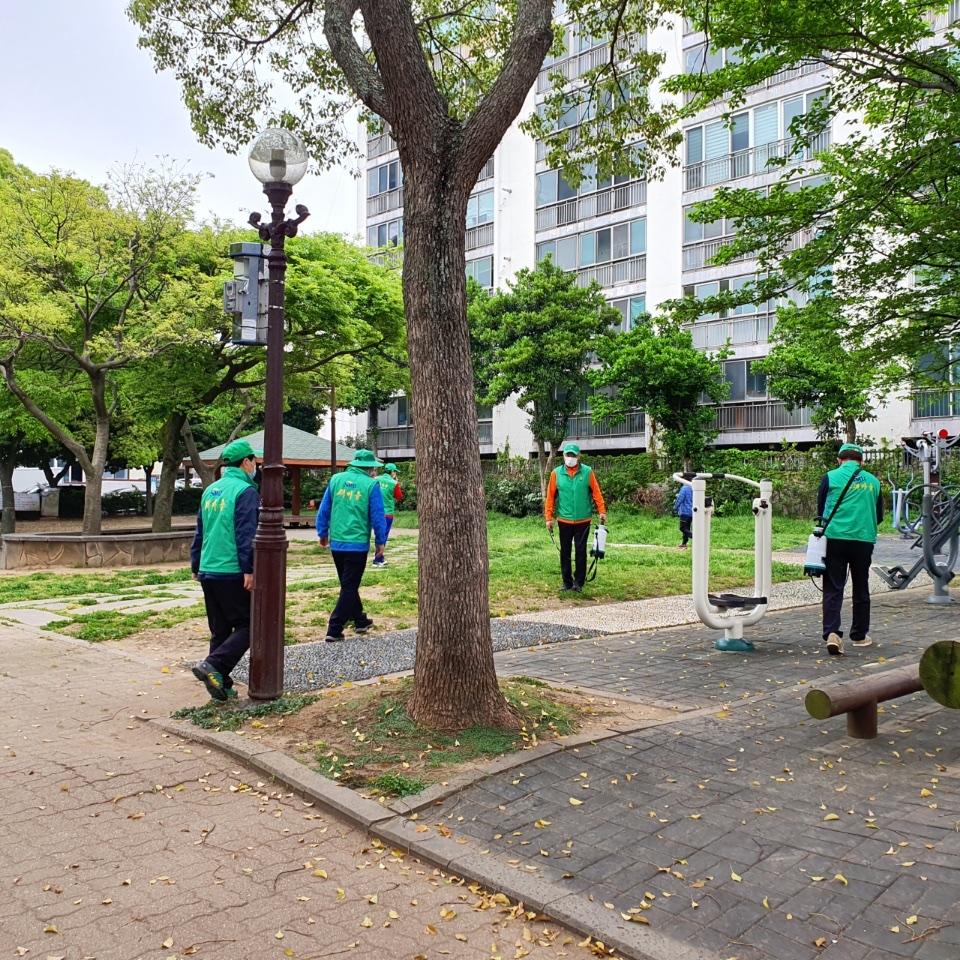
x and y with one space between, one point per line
45 586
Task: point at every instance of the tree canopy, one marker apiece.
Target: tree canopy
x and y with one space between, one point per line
535 340
872 225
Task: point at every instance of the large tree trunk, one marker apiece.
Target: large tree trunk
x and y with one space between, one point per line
851 428
93 494
170 467
8 463
455 681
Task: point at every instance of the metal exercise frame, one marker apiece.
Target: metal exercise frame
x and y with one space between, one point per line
936 529
727 611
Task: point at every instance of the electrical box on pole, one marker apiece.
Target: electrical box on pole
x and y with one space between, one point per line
245 297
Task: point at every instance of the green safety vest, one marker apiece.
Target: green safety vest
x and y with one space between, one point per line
856 519
350 505
218 553
387 486
574 499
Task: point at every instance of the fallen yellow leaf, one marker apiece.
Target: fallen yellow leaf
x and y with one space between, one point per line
736 876
831 816
575 803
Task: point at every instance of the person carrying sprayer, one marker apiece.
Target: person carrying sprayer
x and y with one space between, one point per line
573 492
851 503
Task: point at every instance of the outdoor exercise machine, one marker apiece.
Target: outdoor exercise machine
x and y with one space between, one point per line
938 527
938 673
730 612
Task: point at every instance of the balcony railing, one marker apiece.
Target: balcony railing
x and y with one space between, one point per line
481 236
699 255
613 274
739 331
620 197
935 403
581 63
487 172
582 426
402 438
752 162
385 202
759 415
378 146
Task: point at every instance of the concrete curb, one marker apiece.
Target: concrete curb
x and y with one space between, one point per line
634 941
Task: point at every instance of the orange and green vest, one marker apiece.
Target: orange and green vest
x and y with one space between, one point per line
574 498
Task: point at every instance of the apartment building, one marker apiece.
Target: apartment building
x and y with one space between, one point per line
636 239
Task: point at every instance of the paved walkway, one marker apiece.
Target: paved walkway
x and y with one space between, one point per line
736 828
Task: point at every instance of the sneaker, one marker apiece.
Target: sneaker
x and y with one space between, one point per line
835 645
331 638
379 563
578 588
566 589
682 546
865 642
211 679
362 627
231 693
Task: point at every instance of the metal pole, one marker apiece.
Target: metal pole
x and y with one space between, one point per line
270 542
333 429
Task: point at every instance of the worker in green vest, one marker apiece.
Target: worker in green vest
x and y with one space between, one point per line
221 558
352 506
392 494
851 499
573 492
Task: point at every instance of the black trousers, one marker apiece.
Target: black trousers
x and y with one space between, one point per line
686 522
228 616
575 535
842 555
350 565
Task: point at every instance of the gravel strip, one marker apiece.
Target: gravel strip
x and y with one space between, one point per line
308 666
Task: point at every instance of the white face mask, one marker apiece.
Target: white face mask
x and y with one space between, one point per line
571 461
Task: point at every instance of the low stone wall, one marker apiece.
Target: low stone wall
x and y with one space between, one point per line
129 548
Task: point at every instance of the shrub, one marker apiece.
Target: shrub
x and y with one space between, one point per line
187 501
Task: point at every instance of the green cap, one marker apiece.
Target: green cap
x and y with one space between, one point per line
572 448
365 459
851 448
391 468
237 451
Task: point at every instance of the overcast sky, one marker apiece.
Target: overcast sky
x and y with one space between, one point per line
79 95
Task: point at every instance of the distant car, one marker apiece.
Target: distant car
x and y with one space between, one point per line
118 492
195 482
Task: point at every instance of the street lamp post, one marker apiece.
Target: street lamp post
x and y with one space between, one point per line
278 160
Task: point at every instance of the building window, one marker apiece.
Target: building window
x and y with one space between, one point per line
597 246
402 413
631 309
383 179
482 271
480 209
745 382
389 234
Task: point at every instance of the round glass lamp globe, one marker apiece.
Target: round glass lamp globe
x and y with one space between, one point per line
278 156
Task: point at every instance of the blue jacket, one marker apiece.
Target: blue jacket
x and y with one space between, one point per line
683 505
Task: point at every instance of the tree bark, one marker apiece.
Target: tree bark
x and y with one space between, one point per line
455 681
8 463
851 428
170 467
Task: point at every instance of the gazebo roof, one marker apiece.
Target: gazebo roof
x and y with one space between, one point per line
299 449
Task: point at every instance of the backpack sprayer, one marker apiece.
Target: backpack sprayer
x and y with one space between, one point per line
598 549
815 565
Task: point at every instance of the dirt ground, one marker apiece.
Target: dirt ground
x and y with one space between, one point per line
338 724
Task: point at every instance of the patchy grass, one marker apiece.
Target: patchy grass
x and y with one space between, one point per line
364 738
225 716
116 624
45 586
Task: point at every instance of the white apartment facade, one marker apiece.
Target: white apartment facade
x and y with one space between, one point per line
635 239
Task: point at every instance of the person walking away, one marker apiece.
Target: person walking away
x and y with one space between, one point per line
392 494
683 508
573 492
352 506
851 502
221 558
